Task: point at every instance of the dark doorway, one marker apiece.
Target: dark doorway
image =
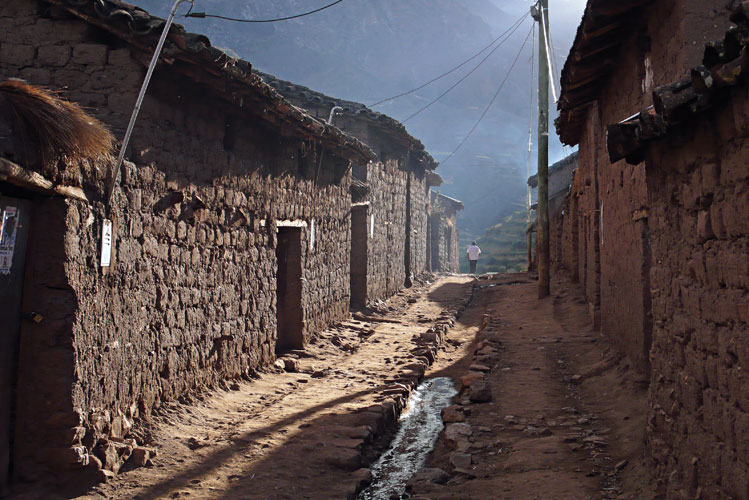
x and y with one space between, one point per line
359 255
289 289
14 230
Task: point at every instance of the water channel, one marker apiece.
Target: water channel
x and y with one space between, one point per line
419 427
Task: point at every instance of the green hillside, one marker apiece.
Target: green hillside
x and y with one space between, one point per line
503 247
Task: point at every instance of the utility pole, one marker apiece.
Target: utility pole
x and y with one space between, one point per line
540 13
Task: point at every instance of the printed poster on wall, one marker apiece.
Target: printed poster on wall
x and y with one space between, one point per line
8 230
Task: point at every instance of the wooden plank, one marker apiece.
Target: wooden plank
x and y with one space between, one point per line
19 176
615 8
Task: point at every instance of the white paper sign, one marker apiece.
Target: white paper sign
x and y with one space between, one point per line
8 230
312 234
106 243
371 226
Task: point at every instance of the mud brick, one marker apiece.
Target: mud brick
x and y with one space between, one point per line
53 55
17 54
90 54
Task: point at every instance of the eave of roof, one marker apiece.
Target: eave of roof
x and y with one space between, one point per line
572 158
386 123
725 65
452 202
605 26
227 77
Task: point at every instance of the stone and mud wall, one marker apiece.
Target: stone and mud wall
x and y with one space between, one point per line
668 243
419 211
445 243
190 298
698 190
611 199
386 229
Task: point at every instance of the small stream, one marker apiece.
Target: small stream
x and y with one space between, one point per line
419 427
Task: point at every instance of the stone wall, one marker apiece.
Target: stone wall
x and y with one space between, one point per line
419 207
611 199
698 189
445 242
585 190
386 270
190 299
398 197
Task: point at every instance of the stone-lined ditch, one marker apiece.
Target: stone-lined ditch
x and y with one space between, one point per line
419 427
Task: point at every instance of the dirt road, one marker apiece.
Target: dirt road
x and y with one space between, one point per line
295 435
565 419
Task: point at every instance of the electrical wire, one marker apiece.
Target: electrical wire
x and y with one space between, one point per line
452 70
530 124
494 97
426 106
548 56
203 15
557 76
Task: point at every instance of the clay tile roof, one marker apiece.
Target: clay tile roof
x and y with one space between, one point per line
725 65
556 167
447 201
226 77
390 125
604 27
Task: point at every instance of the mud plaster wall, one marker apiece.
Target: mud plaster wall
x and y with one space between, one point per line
386 272
419 220
398 198
586 192
698 188
445 244
613 232
569 237
191 298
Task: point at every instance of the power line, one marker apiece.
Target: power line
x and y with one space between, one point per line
530 125
548 56
494 97
452 70
466 75
202 15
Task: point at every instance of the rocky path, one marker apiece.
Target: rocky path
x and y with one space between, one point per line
301 434
546 410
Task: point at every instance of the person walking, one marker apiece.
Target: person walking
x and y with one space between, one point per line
473 256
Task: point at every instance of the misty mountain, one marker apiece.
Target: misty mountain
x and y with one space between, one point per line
368 50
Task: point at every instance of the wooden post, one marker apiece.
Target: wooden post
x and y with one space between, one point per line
542 212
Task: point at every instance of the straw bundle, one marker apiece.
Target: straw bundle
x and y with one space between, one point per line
53 126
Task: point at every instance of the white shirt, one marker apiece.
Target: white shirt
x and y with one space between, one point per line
473 252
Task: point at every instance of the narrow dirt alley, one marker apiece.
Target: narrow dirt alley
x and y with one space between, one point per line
565 418
545 410
300 434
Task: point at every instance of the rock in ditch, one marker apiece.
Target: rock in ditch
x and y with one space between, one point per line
431 475
363 476
467 380
480 392
456 436
344 458
461 460
453 414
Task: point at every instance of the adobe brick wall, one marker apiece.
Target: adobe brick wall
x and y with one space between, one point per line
419 199
394 243
191 297
698 189
445 250
613 255
386 271
585 190
569 237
